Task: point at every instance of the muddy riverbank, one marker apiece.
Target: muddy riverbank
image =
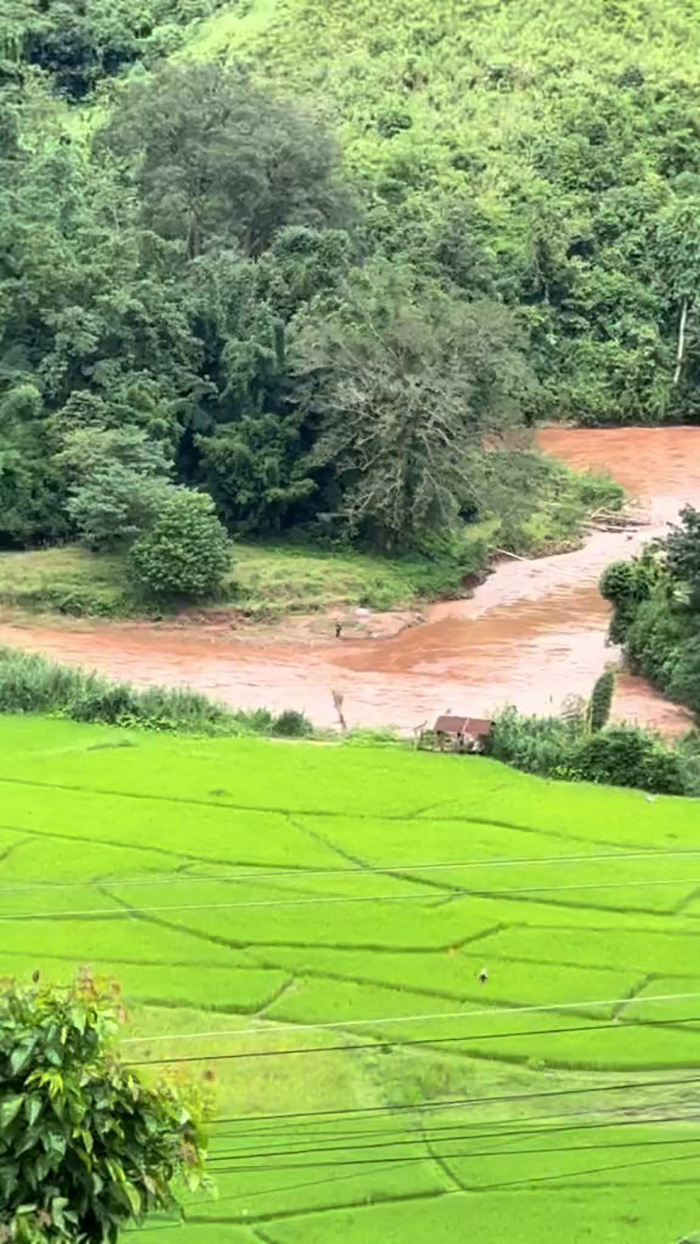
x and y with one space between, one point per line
531 634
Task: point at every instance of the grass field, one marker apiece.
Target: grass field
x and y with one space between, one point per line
307 924
267 580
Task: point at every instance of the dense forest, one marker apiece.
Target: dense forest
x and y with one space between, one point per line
656 604
327 262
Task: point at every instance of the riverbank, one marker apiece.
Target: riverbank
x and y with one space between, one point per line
531 634
278 579
268 582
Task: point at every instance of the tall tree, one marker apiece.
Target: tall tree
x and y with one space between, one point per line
405 396
217 161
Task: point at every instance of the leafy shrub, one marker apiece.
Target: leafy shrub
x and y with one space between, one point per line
684 683
626 585
656 600
114 505
618 755
292 725
185 553
541 745
626 756
654 638
88 1148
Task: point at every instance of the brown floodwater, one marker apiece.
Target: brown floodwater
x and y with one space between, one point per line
532 634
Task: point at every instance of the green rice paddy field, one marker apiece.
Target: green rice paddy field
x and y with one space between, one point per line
304 926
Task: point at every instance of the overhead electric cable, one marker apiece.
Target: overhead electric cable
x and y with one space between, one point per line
615 1025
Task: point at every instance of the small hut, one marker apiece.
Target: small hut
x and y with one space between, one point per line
463 734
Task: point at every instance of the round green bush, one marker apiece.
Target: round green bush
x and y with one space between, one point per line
626 756
185 553
292 725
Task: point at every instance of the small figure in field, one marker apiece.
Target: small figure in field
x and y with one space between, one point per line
483 976
338 629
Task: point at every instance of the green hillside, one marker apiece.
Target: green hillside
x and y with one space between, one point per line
318 260
551 149
309 925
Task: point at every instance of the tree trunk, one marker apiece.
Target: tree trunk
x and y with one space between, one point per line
681 342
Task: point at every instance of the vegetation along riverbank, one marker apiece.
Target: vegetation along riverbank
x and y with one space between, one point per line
656 603
577 746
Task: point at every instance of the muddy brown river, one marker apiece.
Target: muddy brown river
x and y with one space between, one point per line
533 633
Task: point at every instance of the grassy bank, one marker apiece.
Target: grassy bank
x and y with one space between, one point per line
269 580
249 895
30 683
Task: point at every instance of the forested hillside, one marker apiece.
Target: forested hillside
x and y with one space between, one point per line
321 260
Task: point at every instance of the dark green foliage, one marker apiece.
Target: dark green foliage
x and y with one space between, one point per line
292 725
215 160
191 297
626 756
548 155
118 482
541 745
324 339
77 43
682 552
253 471
29 483
185 552
113 506
563 747
86 1148
404 395
656 600
601 701
627 585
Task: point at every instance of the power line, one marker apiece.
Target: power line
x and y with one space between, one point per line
454 1102
376 1045
313 1183
427 1156
130 912
273 1029
428 1137
335 1179
598 1170
310 873
499 1127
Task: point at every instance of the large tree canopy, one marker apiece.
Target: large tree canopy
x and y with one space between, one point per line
405 395
217 161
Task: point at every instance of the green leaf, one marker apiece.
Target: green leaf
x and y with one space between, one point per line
9 1109
32 1109
20 1056
134 1197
